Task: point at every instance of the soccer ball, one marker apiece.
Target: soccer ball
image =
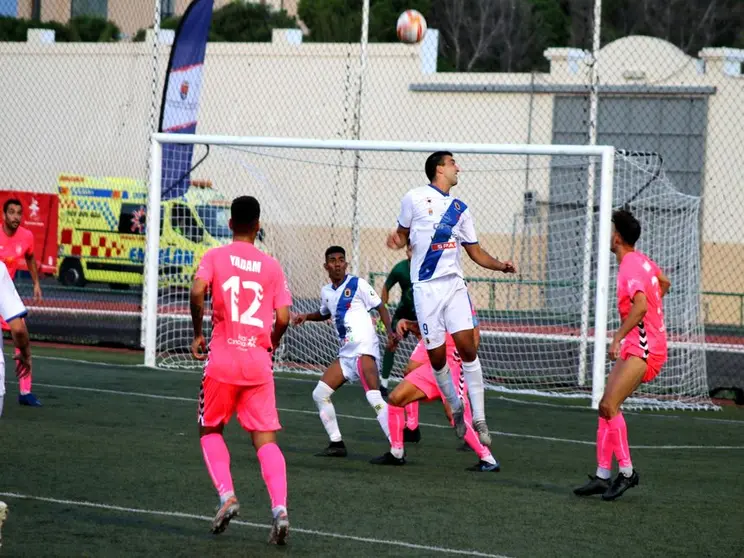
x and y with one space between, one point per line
411 27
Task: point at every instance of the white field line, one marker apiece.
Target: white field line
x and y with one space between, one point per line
354 417
181 515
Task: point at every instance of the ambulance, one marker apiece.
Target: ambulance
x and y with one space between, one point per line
102 226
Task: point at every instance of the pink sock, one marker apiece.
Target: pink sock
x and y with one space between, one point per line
217 458
619 437
412 410
471 437
274 471
24 384
396 421
604 448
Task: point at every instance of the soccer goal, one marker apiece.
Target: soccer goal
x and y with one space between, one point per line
546 207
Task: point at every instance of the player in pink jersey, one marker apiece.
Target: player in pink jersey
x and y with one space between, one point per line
248 288
638 348
16 243
419 384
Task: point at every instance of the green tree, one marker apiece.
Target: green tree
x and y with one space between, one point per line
238 22
247 22
79 29
93 29
340 21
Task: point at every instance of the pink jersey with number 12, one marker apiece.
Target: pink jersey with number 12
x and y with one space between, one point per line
247 286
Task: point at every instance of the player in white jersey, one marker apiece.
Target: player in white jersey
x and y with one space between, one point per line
12 310
347 300
438 225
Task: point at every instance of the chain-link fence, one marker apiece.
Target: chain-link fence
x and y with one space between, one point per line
75 112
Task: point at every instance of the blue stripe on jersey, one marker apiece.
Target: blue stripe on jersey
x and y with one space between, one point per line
344 303
442 234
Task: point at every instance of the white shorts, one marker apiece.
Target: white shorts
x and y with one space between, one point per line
2 372
442 305
351 366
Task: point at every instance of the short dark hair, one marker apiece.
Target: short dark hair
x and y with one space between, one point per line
335 250
245 212
627 226
433 161
11 201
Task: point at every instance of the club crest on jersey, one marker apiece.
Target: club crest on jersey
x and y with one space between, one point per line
457 205
347 293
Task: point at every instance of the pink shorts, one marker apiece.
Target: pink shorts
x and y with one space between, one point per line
653 362
423 378
254 405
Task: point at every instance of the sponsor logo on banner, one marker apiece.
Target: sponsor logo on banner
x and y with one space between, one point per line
182 98
33 209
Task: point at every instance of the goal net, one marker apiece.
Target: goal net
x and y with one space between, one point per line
539 206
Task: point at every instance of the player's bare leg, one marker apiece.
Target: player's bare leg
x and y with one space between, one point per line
443 376
465 341
217 459
624 379
404 394
370 381
332 379
274 472
3 517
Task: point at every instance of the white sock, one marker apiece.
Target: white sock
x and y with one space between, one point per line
225 496
444 381
384 382
322 397
489 459
603 473
474 379
277 510
397 452
626 471
374 397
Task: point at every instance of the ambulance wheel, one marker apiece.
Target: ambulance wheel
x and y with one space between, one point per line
71 273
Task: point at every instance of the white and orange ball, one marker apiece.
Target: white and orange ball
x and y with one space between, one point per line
411 27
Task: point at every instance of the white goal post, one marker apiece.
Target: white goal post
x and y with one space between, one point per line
312 194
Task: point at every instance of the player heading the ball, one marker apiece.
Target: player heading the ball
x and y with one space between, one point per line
248 288
438 225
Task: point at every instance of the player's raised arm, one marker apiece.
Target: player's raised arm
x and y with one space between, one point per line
469 240
399 237
299 319
484 259
664 283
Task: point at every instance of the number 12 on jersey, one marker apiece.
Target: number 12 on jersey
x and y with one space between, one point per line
234 285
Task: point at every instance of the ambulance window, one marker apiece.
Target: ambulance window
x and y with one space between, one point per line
132 219
185 224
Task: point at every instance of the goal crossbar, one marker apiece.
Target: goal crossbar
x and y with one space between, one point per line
605 153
